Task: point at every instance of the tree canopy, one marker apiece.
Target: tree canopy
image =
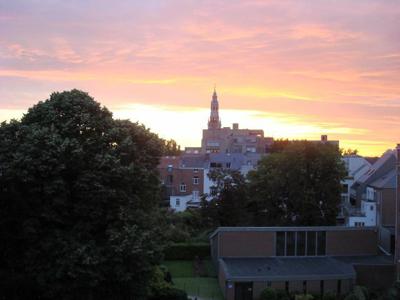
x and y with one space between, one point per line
78 197
299 185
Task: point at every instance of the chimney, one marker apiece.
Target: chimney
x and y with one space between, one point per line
397 228
324 138
235 126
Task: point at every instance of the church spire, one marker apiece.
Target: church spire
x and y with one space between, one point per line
214 122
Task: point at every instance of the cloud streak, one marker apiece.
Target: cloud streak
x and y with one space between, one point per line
331 65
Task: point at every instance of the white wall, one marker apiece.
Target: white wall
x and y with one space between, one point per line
368 218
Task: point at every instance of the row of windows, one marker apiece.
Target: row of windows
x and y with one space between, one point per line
182 186
305 290
170 168
300 243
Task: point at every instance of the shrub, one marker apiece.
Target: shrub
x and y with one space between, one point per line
361 292
268 294
169 293
187 251
304 297
351 296
329 296
282 295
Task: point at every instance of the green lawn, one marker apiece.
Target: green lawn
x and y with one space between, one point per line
202 287
180 268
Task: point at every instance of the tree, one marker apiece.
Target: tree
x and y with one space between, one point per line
171 148
348 151
79 191
228 199
298 186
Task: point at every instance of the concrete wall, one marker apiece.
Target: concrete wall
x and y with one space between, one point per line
247 244
351 242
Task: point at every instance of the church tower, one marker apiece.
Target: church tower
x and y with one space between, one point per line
214 122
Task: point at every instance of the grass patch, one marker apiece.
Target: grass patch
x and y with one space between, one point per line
180 268
204 287
183 276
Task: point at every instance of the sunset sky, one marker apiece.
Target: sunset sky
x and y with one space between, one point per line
296 69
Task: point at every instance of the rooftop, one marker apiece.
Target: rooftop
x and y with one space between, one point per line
291 228
286 268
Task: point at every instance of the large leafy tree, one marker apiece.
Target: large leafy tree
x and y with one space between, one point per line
298 185
227 201
78 197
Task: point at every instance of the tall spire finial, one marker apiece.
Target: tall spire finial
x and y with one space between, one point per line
214 121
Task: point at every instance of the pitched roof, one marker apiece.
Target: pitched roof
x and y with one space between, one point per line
286 268
388 181
386 161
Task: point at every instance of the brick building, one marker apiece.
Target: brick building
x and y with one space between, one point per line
182 179
316 260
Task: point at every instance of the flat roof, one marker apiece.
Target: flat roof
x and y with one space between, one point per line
291 228
286 268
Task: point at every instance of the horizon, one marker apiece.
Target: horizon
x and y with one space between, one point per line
297 70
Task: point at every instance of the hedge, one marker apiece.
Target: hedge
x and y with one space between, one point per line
187 251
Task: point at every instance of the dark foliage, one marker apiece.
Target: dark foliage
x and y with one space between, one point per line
77 196
298 186
187 251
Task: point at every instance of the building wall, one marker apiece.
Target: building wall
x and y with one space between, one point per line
375 276
385 239
233 140
387 205
351 242
247 244
262 243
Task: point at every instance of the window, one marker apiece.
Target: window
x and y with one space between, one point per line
170 179
169 168
196 180
228 165
290 243
182 187
195 170
321 242
311 236
305 287
300 243
371 207
177 202
345 188
215 165
280 243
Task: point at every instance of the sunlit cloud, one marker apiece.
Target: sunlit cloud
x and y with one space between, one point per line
295 69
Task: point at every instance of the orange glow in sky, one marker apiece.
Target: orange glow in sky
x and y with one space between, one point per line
296 69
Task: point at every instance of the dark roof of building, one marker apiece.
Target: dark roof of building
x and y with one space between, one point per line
387 181
291 228
193 161
385 162
367 259
236 160
286 268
